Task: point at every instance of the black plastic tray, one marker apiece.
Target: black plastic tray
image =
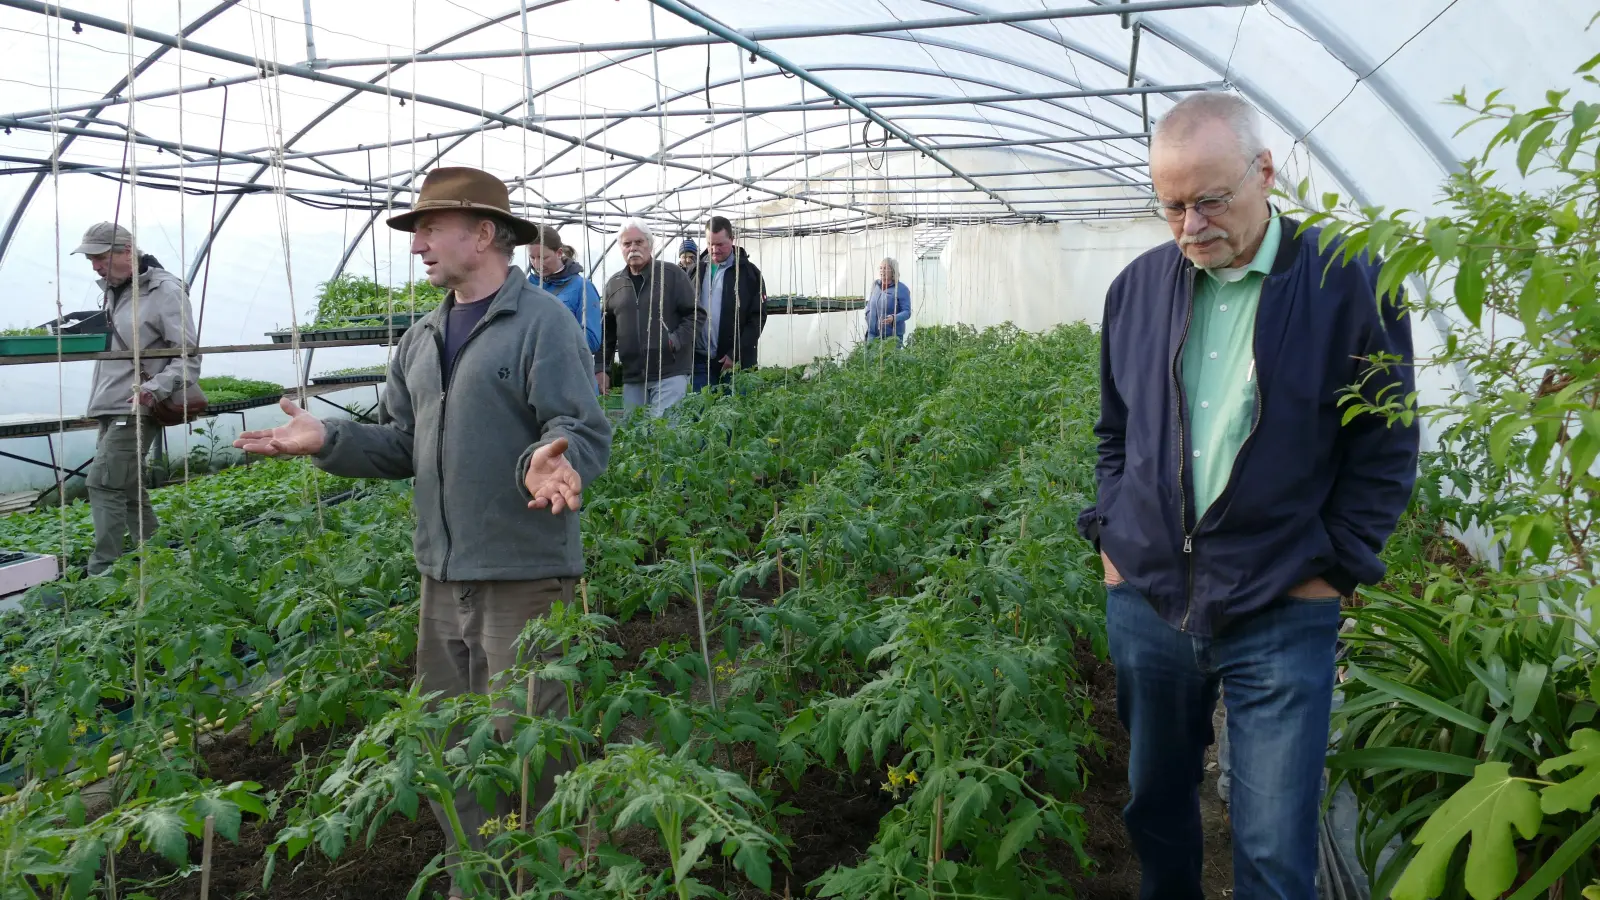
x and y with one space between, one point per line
338 334
809 305
242 405
367 378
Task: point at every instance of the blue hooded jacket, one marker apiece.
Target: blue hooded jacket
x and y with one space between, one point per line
1310 495
896 301
574 290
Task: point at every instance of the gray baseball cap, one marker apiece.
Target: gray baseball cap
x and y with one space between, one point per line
104 237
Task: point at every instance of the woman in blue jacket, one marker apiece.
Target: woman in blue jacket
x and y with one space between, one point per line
889 304
564 278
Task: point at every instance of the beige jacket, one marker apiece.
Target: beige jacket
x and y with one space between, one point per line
164 321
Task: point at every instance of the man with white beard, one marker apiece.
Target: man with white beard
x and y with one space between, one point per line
649 324
1235 508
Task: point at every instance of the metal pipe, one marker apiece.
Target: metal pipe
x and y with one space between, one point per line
806 193
233 203
1129 165
928 150
527 63
175 147
783 34
317 75
311 38
15 218
701 20
101 105
893 104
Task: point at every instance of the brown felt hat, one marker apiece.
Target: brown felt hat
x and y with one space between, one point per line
468 190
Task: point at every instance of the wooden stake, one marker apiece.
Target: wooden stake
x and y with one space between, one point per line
705 646
205 858
583 587
522 813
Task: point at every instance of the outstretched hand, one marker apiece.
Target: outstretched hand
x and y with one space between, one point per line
302 435
551 480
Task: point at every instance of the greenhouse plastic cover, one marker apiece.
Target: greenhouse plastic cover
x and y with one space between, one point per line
1354 96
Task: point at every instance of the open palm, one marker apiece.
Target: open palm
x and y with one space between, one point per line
302 435
551 480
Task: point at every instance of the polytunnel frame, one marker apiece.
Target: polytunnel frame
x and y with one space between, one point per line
1378 82
309 72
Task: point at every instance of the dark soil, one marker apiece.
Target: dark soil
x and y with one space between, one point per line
838 819
386 869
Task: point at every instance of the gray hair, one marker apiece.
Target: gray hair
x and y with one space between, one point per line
1196 109
894 267
636 224
504 241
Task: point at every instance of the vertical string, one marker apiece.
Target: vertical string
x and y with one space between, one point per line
138 322
183 254
53 75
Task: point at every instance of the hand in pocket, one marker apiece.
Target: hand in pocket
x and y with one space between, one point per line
1113 577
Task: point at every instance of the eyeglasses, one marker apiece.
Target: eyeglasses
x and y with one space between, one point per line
1209 207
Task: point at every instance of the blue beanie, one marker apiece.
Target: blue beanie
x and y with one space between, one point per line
688 247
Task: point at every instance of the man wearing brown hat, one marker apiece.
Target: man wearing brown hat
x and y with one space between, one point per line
491 408
121 398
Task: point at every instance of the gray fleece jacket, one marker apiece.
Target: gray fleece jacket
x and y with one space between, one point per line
164 323
523 378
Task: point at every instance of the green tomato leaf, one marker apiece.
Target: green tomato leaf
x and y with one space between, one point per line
161 830
1578 792
1490 808
226 815
971 799
1018 834
678 725
802 723
751 859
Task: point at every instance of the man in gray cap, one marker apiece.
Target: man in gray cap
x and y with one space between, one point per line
122 398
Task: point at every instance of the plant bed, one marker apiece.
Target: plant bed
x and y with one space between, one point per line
387 867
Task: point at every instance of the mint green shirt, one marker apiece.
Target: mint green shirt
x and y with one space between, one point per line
1218 369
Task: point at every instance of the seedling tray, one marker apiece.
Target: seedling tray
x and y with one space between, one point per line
810 305
356 378
399 320
338 334
242 405
42 344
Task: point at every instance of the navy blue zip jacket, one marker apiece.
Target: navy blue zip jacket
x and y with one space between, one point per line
1307 497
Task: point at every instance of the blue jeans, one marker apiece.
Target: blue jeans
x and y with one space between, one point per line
1278 669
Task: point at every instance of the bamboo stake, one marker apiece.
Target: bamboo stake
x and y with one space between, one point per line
705 646
522 814
205 858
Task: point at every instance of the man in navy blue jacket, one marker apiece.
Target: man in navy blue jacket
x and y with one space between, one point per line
1235 511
